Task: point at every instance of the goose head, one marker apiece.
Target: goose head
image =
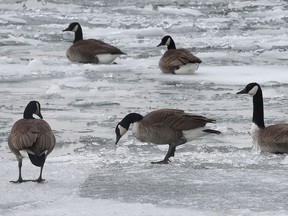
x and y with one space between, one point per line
73 27
120 131
251 89
123 126
167 41
33 107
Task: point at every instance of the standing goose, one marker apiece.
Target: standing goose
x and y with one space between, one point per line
91 50
165 126
273 138
177 61
33 135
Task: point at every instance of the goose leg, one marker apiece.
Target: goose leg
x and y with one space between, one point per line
173 151
20 180
170 153
40 179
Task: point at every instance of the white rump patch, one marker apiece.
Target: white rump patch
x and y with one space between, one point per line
75 28
106 58
253 91
194 133
187 69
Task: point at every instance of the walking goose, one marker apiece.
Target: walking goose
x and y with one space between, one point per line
273 138
177 61
91 50
33 135
165 126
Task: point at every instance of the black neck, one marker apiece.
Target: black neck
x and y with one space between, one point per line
129 119
28 114
258 112
171 45
78 34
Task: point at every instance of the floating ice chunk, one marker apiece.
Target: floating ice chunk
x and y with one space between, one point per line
285 161
53 89
35 63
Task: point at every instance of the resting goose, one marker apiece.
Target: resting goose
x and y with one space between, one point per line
273 138
32 135
177 61
165 126
91 50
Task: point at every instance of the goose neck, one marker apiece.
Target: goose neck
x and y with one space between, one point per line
171 44
130 119
258 110
28 114
78 35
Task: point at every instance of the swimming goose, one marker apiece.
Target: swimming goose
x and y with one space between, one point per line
177 61
273 138
91 50
33 135
165 126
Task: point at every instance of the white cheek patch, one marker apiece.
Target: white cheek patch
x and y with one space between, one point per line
38 108
168 42
122 130
253 91
75 28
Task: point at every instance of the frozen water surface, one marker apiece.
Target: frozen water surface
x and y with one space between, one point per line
238 41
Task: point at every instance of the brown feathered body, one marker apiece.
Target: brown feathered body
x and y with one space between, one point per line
32 135
174 59
168 126
273 138
93 51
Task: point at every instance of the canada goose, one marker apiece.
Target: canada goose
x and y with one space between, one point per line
273 138
91 50
165 126
33 135
177 61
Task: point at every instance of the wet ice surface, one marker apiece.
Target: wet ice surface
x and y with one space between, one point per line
239 42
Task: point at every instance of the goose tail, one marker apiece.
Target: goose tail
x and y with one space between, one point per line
37 160
212 131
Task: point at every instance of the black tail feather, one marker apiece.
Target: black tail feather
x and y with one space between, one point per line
212 131
37 160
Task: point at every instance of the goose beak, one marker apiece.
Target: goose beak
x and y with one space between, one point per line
67 29
242 91
118 137
160 44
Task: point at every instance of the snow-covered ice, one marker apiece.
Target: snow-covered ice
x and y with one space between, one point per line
86 174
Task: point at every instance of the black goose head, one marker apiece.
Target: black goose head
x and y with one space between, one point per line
33 107
167 41
251 89
123 126
74 27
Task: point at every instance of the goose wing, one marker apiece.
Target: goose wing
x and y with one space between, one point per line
176 119
179 57
274 138
31 134
94 47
